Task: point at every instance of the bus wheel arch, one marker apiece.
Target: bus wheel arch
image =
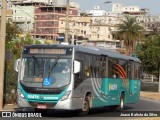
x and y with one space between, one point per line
89 96
87 104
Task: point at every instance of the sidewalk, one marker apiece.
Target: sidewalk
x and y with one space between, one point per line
150 95
9 107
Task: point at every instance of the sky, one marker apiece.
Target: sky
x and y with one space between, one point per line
153 5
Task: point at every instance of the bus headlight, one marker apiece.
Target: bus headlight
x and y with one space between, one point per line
20 94
66 95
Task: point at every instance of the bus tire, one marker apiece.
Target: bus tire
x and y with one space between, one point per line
120 107
86 106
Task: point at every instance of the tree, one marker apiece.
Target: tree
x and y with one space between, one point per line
15 49
14 45
12 31
150 54
129 31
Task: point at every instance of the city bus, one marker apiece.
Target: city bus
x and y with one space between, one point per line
72 77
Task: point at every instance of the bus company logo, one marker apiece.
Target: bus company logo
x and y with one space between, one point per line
112 86
6 114
41 97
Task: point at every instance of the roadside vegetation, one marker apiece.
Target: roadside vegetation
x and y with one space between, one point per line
136 41
149 54
14 45
129 31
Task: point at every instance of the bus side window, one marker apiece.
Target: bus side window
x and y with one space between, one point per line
79 57
96 66
122 67
112 64
136 70
87 71
104 67
130 69
87 65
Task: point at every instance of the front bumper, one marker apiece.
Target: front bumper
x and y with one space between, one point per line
68 104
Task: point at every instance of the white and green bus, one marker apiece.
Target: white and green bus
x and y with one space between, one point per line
70 77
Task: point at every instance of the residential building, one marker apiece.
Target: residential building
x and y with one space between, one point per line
79 28
40 17
101 32
23 15
56 2
47 21
92 30
102 25
117 7
74 5
97 11
50 2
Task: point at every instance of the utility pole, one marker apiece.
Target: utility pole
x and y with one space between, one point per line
159 77
67 22
2 49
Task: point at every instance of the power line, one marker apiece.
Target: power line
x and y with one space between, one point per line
27 14
22 10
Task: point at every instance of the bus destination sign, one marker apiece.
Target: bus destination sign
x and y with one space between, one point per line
47 51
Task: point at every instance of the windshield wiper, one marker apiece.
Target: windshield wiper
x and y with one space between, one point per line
54 65
39 65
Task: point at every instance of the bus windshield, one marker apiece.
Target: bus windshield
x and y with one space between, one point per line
46 72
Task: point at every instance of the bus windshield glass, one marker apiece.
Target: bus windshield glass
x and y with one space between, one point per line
46 72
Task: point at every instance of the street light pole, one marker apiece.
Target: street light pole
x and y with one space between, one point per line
2 51
67 22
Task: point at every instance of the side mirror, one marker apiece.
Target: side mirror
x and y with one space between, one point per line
77 66
16 65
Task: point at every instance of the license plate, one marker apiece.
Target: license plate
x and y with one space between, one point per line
40 106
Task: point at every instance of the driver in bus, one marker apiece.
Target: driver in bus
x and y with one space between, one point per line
66 69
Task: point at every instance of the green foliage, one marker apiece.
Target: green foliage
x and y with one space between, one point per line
150 54
129 31
14 46
11 81
12 31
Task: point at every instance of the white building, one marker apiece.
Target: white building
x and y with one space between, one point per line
75 5
96 11
108 13
117 7
51 2
55 2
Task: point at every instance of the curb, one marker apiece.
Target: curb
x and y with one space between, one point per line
150 99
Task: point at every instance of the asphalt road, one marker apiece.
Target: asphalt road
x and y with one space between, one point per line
143 106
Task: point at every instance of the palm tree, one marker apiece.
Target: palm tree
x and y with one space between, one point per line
129 31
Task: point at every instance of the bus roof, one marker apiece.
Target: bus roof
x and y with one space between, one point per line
89 50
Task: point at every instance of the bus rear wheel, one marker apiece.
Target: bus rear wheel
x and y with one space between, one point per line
120 107
86 106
